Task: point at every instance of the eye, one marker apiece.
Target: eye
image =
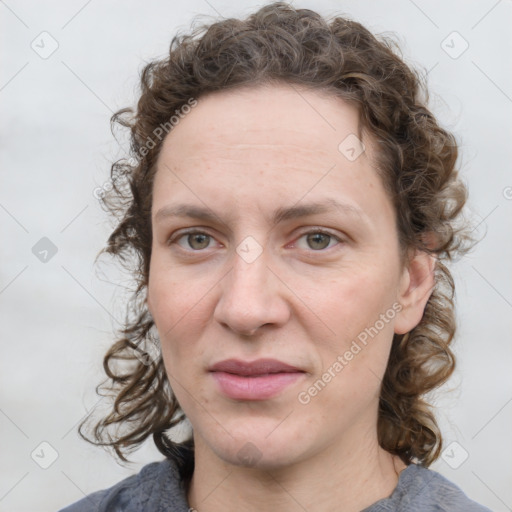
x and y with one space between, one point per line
319 240
195 240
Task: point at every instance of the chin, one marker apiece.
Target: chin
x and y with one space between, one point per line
258 445
249 455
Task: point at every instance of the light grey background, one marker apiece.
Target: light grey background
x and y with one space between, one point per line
56 147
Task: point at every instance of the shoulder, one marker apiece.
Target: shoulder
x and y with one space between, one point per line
436 491
420 488
156 487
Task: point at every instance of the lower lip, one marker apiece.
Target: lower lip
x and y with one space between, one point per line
254 388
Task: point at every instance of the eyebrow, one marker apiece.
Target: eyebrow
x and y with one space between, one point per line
279 215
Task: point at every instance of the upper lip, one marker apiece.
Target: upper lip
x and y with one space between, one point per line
249 368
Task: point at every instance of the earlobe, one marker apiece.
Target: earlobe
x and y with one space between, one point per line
418 281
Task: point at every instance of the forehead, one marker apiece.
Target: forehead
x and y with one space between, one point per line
255 149
275 117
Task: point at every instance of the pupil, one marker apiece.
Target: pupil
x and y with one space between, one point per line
203 240
316 238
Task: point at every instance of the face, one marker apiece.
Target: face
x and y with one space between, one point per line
275 276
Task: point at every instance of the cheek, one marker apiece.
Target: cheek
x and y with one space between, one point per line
178 310
353 301
358 309
179 316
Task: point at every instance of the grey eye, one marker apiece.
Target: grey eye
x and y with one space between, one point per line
318 240
198 241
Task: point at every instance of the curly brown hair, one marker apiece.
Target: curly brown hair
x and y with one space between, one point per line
416 159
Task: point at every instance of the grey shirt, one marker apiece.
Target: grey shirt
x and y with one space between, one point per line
158 488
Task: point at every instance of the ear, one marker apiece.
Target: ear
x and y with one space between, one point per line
416 285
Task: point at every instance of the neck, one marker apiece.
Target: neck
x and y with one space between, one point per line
348 478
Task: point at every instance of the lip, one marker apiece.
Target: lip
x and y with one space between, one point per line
254 380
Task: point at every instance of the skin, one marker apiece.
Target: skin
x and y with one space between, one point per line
242 154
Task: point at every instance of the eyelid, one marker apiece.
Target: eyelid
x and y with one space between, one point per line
319 229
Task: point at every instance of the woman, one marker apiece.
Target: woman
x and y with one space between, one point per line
291 202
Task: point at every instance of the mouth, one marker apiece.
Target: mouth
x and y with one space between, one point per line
257 380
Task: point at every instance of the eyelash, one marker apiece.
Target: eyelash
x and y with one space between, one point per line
175 238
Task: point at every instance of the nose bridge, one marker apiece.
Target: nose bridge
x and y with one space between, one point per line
250 296
249 279
250 269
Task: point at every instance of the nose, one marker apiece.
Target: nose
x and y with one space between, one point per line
252 296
